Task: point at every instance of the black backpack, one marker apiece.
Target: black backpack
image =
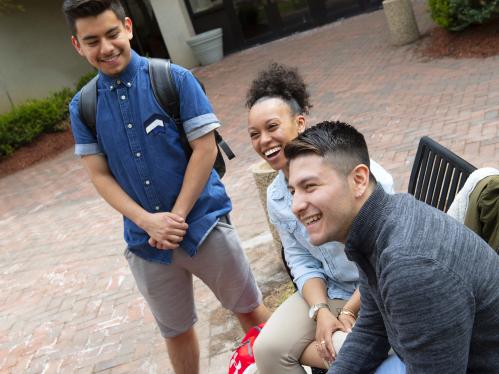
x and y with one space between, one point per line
164 90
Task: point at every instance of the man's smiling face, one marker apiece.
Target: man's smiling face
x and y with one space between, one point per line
323 198
104 41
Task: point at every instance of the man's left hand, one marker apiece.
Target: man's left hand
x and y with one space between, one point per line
327 324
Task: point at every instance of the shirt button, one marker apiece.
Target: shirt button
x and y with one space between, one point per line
111 87
148 182
118 81
123 97
130 125
156 207
138 154
129 84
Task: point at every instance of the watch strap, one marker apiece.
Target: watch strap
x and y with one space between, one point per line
314 309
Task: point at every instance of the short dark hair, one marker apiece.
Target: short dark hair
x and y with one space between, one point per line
283 82
74 9
337 142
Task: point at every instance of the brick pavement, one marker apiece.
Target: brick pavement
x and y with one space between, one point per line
68 302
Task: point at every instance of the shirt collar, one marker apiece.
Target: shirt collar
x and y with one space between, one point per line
127 76
366 225
279 187
360 246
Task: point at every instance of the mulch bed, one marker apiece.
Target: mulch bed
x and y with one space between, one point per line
478 41
44 147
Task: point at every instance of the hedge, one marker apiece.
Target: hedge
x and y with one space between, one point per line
26 122
456 15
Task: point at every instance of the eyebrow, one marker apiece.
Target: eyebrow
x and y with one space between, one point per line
266 122
92 37
272 119
302 181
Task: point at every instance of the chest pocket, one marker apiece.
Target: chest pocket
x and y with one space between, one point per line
287 225
155 126
159 126
161 135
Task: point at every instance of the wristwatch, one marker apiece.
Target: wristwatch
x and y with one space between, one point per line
314 309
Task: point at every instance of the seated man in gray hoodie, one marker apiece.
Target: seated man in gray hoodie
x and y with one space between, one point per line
429 286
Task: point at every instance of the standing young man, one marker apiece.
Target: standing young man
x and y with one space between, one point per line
429 286
175 208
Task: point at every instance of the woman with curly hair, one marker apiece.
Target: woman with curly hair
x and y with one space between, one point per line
300 330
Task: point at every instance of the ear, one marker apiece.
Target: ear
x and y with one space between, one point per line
360 180
300 123
128 27
76 45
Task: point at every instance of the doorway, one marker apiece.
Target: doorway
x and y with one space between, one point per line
263 19
249 22
147 39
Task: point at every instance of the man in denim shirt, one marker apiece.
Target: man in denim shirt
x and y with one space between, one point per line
175 209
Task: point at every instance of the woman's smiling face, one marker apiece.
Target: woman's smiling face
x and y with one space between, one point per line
271 125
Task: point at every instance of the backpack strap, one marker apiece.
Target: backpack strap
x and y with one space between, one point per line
87 105
163 86
224 146
165 91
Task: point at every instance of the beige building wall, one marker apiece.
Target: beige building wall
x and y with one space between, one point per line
36 56
176 27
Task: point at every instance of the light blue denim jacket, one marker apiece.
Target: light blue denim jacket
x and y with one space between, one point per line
306 261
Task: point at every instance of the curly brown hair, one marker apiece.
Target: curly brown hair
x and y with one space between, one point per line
283 82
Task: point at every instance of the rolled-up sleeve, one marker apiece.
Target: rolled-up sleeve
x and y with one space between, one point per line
196 112
85 141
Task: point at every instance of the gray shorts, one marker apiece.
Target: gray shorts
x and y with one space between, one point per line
220 263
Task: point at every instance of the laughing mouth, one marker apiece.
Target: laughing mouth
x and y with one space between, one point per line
110 59
269 153
311 219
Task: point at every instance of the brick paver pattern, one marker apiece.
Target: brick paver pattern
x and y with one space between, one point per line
68 301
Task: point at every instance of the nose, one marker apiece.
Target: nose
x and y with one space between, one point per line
298 204
106 47
265 138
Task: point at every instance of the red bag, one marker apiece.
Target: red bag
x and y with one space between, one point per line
243 359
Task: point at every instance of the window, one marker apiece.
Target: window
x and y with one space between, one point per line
202 5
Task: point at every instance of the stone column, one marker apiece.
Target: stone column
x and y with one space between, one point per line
264 175
176 27
401 21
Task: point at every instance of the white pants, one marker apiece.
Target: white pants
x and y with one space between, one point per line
285 336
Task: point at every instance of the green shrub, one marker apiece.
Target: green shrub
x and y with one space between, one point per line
25 122
456 15
440 12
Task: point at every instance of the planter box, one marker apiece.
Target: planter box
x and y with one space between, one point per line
207 46
401 21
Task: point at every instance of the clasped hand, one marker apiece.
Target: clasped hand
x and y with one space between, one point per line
166 230
327 324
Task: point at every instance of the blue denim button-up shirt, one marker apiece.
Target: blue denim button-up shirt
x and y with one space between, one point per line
141 144
306 261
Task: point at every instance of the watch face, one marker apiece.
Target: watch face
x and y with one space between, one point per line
311 312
